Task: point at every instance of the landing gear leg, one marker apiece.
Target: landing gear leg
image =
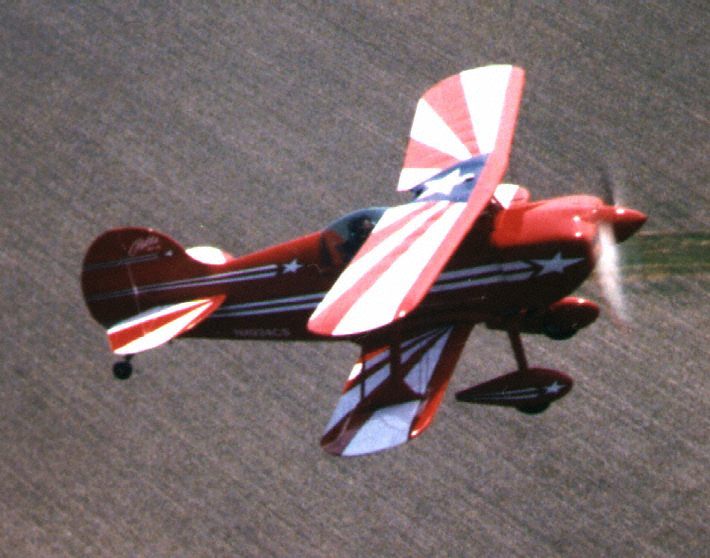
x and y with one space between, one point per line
519 352
123 369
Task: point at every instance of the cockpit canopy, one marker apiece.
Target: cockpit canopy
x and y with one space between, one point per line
344 237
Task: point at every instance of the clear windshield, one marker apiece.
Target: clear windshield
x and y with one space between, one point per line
344 237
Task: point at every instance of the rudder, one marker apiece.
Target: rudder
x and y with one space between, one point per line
128 270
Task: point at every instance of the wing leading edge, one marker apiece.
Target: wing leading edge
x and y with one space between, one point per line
457 155
393 392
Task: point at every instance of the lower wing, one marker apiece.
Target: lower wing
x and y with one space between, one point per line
393 391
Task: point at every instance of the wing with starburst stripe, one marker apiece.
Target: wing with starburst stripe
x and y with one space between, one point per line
457 155
462 132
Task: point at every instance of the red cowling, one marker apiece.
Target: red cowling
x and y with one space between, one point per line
529 391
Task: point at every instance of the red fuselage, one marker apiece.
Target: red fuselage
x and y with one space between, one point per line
516 260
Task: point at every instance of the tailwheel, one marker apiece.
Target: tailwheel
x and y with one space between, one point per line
123 369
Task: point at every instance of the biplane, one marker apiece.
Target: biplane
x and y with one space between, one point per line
405 283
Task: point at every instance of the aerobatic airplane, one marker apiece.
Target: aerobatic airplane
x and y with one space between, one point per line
406 283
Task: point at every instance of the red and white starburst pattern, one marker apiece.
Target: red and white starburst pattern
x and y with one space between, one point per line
468 120
466 115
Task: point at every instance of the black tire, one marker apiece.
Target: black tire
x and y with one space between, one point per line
558 332
533 408
122 370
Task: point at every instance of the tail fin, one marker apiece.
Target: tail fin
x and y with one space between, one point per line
137 281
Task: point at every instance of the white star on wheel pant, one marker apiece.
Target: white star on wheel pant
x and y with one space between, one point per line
554 388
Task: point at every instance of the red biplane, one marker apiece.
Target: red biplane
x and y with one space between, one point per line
406 283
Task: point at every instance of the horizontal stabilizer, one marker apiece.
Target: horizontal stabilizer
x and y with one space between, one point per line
159 325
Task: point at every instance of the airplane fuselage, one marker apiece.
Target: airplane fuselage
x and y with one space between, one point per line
520 259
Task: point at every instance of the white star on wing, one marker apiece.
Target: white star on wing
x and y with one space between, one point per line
446 183
556 264
292 267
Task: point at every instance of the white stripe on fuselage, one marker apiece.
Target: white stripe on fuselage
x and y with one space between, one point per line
275 301
506 272
457 279
483 269
491 280
270 310
273 306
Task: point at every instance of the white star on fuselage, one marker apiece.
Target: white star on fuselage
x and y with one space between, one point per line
446 183
556 264
292 267
554 388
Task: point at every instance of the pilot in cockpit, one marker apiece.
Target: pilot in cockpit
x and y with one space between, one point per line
343 238
358 231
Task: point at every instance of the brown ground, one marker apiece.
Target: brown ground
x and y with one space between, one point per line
246 126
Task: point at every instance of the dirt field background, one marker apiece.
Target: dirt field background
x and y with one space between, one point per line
244 126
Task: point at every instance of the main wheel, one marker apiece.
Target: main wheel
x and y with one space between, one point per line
558 332
533 408
122 370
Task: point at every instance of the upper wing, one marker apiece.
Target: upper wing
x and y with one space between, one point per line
463 125
393 392
467 118
159 325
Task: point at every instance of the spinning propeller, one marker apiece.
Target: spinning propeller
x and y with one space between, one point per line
608 273
616 224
